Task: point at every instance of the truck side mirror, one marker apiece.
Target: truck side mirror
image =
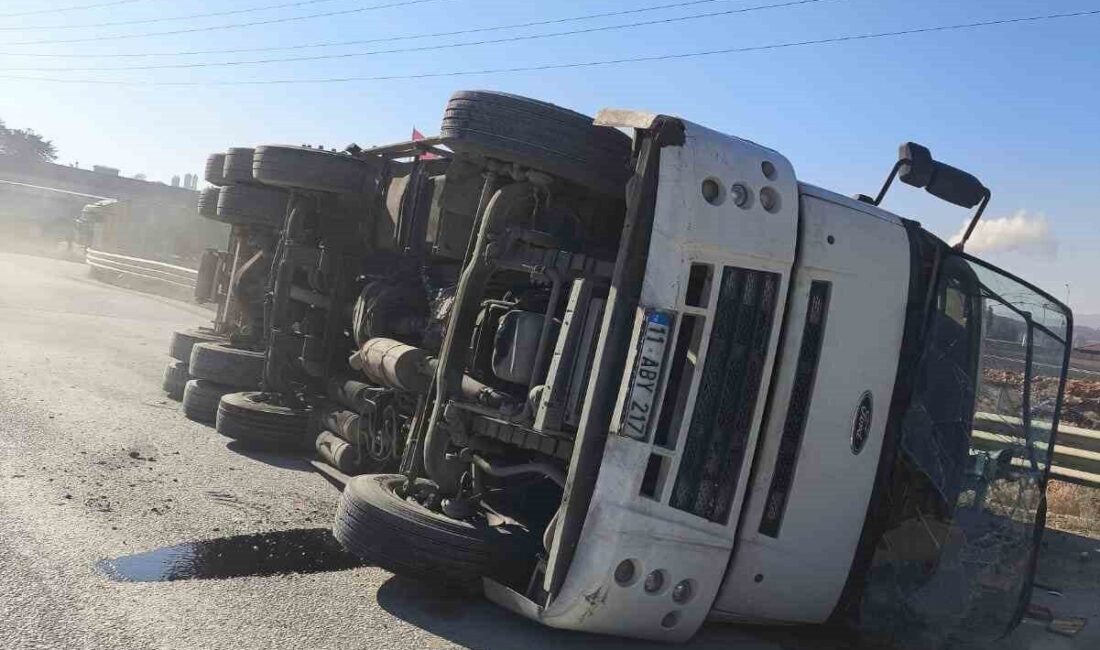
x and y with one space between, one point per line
917 167
915 164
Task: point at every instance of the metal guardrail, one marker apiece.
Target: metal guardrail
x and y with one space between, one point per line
53 190
144 269
1076 456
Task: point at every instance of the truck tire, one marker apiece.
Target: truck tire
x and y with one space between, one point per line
208 201
256 420
379 526
183 340
223 364
238 165
215 163
175 377
538 135
200 400
252 205
314 169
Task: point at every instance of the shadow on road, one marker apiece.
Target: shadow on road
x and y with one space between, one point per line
1065 583
275 459
473 622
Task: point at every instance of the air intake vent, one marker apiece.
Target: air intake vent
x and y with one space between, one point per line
717 438
798 409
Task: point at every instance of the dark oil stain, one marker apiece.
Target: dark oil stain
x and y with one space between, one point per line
310 550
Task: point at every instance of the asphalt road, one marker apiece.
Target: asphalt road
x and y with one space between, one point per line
97 464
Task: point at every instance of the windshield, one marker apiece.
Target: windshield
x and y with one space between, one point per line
966 504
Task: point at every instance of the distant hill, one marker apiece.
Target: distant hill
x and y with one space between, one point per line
1084 333
1088 320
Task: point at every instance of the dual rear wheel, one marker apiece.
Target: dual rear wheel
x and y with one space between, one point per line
206 370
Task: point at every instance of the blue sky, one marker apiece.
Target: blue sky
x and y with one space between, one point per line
1015 104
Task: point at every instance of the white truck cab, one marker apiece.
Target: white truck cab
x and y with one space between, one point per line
739 485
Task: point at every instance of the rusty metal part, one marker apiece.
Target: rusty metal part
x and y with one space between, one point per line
394 364
338 452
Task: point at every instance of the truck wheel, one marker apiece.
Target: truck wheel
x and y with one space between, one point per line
215 163
200 400
183 340
175 376
252 205
223 364
538 135
238 165
258 420
208 201
314 169
381 526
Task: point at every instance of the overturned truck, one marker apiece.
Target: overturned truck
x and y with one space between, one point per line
629 383
677 384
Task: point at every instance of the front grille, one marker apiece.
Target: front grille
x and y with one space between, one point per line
717 439
798 409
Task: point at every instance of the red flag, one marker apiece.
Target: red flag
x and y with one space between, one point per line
427 155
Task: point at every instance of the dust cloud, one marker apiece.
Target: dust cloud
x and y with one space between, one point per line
1021 232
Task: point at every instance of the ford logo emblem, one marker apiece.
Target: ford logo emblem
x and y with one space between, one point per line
861 422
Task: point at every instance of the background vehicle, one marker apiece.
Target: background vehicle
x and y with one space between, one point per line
729 368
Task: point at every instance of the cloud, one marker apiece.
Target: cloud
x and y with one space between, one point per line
1021 232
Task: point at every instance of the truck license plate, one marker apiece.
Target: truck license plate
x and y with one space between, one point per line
645 383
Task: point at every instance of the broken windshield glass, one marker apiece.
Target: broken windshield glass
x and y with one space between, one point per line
965 504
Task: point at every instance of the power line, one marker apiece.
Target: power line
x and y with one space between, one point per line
55 10
383 39
581 64
146 21
192 30
426 48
